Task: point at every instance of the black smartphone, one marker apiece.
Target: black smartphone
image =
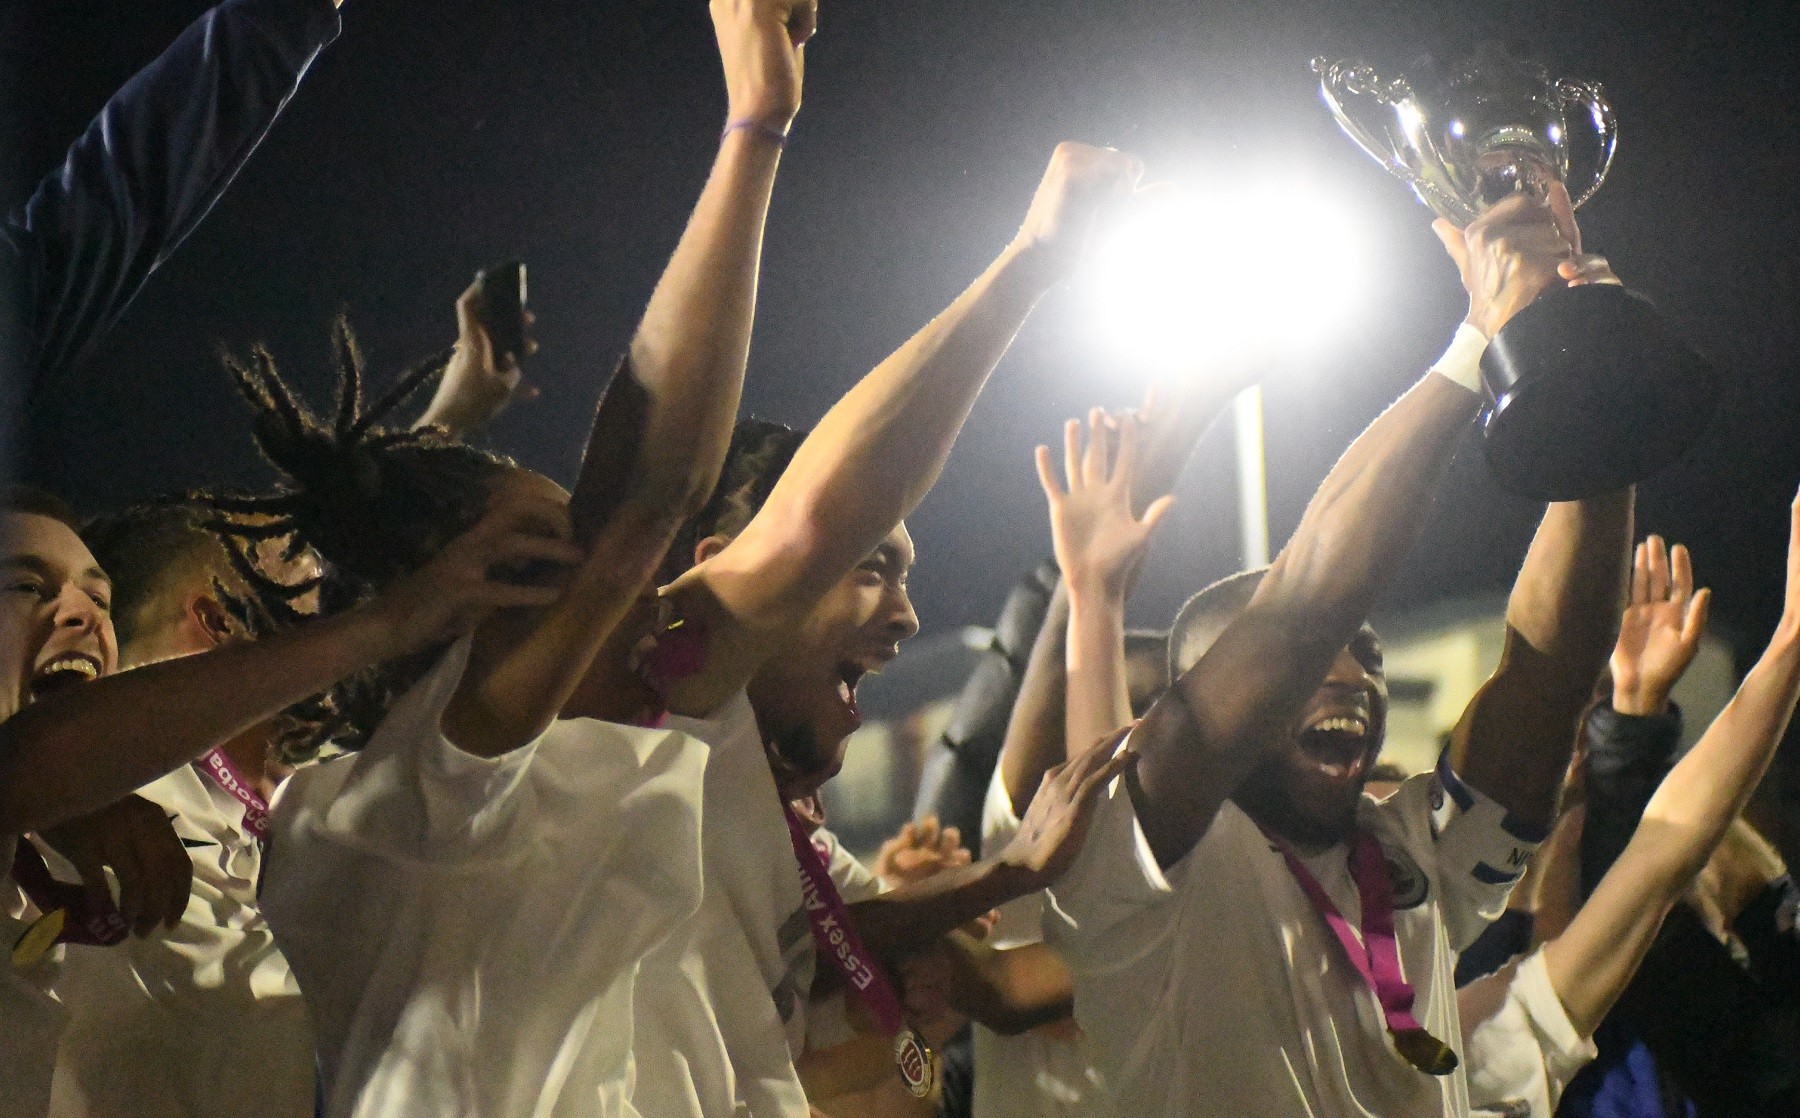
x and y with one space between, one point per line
502 289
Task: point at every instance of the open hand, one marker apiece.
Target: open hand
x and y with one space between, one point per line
1509 255
1056 825
1082 184
920 850
763 46
468 580
1660 630
135 839
1100 544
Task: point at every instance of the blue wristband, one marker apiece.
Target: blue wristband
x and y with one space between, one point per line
774 135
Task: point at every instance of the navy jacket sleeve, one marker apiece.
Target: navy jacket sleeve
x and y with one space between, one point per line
1627 758
148 169
960 764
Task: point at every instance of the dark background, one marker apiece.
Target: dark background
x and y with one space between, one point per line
435 137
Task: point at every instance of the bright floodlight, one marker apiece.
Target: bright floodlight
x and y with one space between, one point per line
1203 277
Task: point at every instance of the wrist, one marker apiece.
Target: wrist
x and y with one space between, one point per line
1461 362
1015 875
1639 702
1093 588
766 130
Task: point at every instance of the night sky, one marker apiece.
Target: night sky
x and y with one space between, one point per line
435 137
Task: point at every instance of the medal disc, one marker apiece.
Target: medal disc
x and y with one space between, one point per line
1424 1051
917 1063
39 938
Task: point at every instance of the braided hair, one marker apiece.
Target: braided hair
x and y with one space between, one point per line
375 503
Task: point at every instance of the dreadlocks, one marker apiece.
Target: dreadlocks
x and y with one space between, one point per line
375 503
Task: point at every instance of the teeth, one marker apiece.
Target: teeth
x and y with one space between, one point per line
1342 726
71 664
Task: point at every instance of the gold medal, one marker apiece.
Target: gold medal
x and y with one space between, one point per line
1424 1051
39 938
917 1063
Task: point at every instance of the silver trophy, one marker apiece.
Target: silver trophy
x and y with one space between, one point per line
1590 389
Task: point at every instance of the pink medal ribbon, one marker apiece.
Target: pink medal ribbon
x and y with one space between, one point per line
1377 955
219 769
839 945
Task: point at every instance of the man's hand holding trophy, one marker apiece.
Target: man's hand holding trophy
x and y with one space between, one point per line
1589 387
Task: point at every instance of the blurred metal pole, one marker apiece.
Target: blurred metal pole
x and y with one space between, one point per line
1252 479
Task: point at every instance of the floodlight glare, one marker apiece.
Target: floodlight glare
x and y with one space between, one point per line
1196 278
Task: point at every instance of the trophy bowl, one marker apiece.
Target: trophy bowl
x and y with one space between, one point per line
1589 388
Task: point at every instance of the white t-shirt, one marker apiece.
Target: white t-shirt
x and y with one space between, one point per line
1035 1074
167 1025
721 1010
1521 1048
31 1017
1216 989
466 930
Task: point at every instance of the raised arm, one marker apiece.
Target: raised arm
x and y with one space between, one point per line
1591 963
1209 731
79 750
1100 545
1036 736
1514 739
876 453
663 426
151 165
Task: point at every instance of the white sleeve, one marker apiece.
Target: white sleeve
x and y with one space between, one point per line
1478 850
1521 1048
855 882
1114 906
412 791
999 823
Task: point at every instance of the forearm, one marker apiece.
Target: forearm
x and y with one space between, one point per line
1098 699
1204 737
660 434
876 453
78 751
914 916
1514 740
1012 990
503 705
154 161
1626 759
1683 823
1197 406
1035 734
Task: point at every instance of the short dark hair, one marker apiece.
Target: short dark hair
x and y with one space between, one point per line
140 549
1204 616
40 502
759 454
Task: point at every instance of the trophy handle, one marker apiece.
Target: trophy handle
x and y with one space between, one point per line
1596 111
1369 109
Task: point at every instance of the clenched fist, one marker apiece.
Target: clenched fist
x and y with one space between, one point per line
1081 186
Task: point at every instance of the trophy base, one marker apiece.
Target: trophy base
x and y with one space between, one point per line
1592 390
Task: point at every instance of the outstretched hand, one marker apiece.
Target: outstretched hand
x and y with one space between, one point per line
920 850
1082 184
468 580
763 46
134 839
1660 631
1099 542
1056 825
